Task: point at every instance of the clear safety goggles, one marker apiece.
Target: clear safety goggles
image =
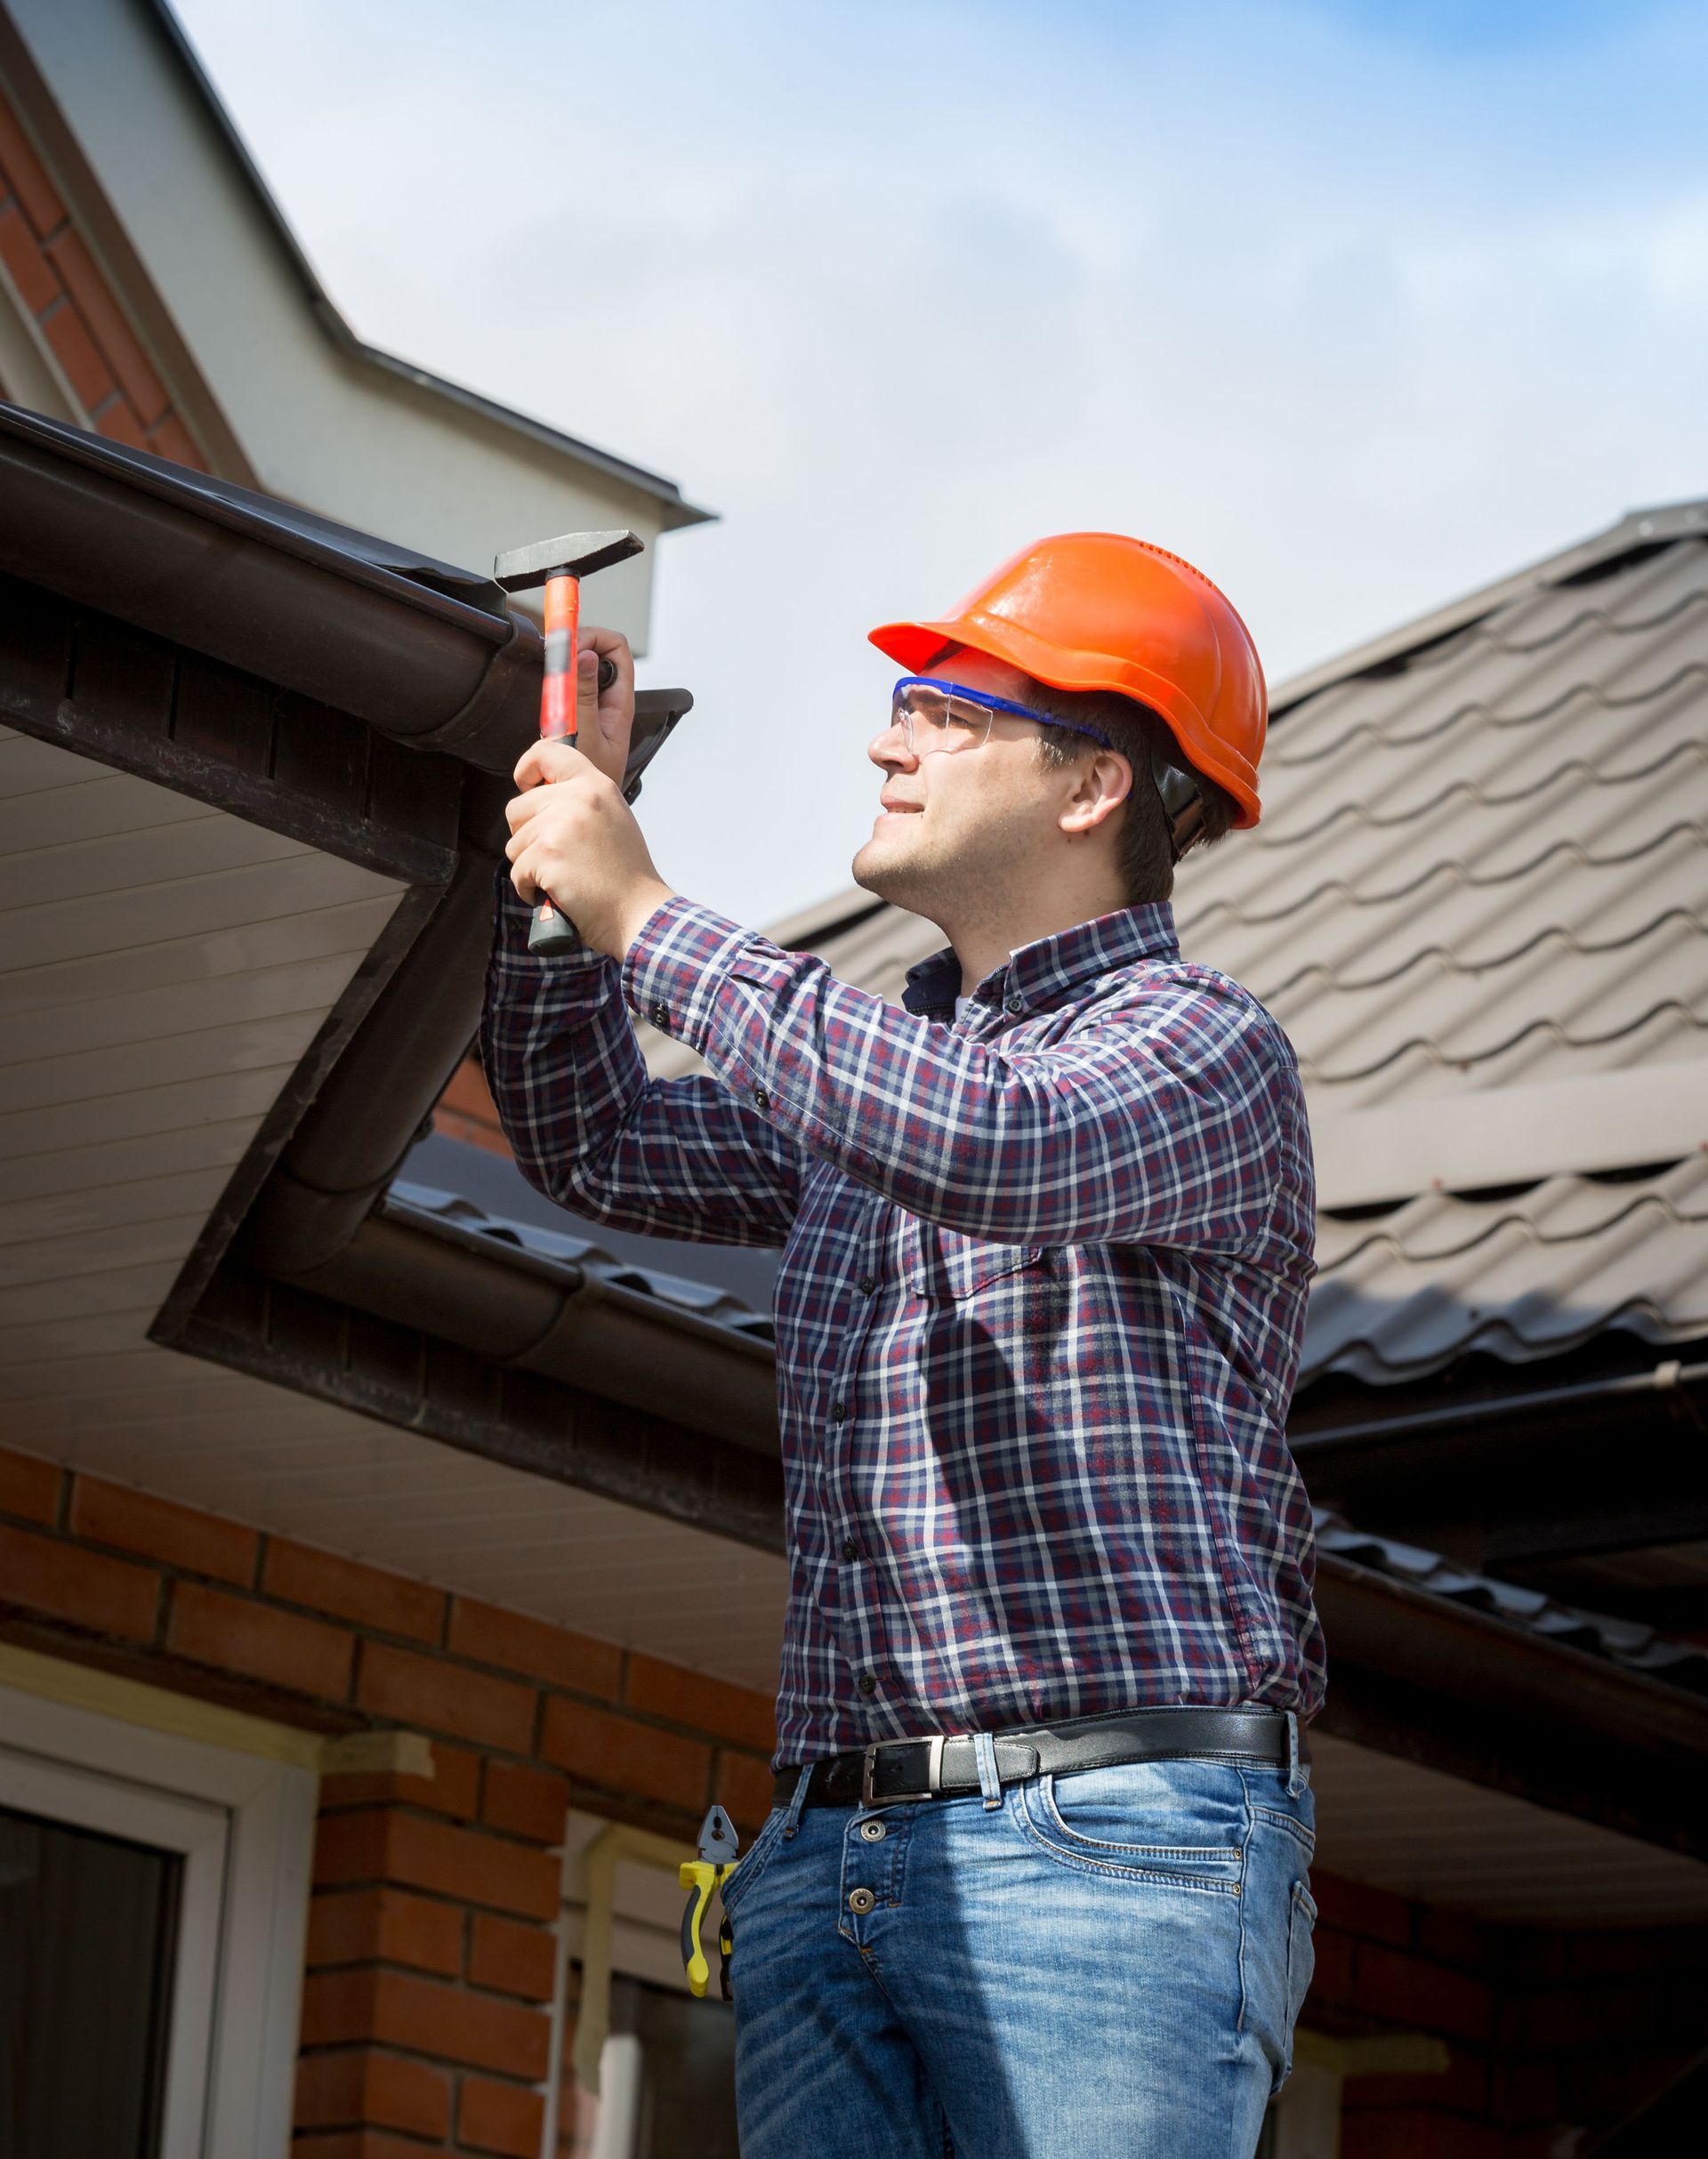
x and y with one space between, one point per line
936 716
939 717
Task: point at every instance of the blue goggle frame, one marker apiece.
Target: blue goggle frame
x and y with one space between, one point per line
996 704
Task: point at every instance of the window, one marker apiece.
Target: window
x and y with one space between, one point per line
153 1898
650 2072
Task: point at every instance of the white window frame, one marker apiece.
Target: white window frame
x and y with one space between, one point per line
243 1826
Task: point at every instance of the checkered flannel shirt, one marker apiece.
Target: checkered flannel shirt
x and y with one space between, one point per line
1039 1308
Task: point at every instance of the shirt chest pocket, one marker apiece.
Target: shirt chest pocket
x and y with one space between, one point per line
945 1266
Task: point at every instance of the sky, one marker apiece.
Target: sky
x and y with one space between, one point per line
1358 305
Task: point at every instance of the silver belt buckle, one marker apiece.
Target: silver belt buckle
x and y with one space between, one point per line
869 1762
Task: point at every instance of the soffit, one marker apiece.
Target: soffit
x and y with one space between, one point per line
164 968
1405 1827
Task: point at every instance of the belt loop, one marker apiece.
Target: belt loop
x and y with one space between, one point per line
797 1799
990 1783
1296 1772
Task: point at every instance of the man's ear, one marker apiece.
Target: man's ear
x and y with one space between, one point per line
1101 783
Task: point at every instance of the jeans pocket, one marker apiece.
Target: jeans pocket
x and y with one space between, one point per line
753 1862
1167 1822
1302 1962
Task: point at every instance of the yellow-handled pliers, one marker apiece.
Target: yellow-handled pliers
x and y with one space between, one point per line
720 1848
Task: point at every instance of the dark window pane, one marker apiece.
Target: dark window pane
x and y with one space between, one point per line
685 2105
87 1925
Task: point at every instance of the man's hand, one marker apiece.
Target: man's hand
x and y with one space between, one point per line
604 720
574 839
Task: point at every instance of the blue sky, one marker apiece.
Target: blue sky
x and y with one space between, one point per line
1356 305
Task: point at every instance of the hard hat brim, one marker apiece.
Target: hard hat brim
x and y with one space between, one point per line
916 644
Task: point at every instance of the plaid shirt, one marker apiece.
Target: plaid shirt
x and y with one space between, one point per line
1039 1311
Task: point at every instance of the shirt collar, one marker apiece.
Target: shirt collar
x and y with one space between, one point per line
1047 974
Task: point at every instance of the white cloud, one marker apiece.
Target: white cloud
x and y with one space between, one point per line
1354 325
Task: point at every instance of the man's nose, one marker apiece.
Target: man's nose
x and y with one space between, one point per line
889 751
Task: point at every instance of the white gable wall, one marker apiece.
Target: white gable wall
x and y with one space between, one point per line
320 427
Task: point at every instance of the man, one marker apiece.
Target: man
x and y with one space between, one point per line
1036 1879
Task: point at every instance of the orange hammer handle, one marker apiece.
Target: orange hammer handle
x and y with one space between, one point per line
548 932
562 642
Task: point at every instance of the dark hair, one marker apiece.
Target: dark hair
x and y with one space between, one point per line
1145 857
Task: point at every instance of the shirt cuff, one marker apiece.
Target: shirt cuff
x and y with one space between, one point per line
513 918
685 955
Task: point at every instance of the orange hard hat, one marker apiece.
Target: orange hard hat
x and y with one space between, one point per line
1095 611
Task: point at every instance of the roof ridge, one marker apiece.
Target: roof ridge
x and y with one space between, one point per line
1637 529
1439 651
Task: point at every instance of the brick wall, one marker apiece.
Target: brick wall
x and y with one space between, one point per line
1549 2031
425 2023
75 311
424 2020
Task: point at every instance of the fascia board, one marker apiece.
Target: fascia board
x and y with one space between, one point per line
1457 1142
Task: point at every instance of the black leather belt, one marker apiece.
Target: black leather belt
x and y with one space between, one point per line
897 1769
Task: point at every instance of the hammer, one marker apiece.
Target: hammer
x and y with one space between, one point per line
560 565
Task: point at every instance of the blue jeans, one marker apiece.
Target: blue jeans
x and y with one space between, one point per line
1101 1966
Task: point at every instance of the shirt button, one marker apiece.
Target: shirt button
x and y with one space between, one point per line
1013 1005
868 1284
761 1101
873 1830
838 1412
661 1016
868 1682
860 1901
850 1550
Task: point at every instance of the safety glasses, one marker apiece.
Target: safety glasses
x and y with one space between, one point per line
941 717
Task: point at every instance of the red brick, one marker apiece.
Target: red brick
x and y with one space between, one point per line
427 1690
396 2009
389 1604
1332 1981
597 1748
106 1596
386 1926
89 375
709 1706
170 437
212 1627
29 1486
506 2118
744 1786
359 2087
27 176
384 1844
93 299
1453 1938
182 1536
453 1789
527 1802
28 266
1403 1989
119 423
521 1644
1359 1909
511 1959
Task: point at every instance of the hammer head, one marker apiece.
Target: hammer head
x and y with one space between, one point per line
580 553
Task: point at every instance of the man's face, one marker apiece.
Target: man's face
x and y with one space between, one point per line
959 830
